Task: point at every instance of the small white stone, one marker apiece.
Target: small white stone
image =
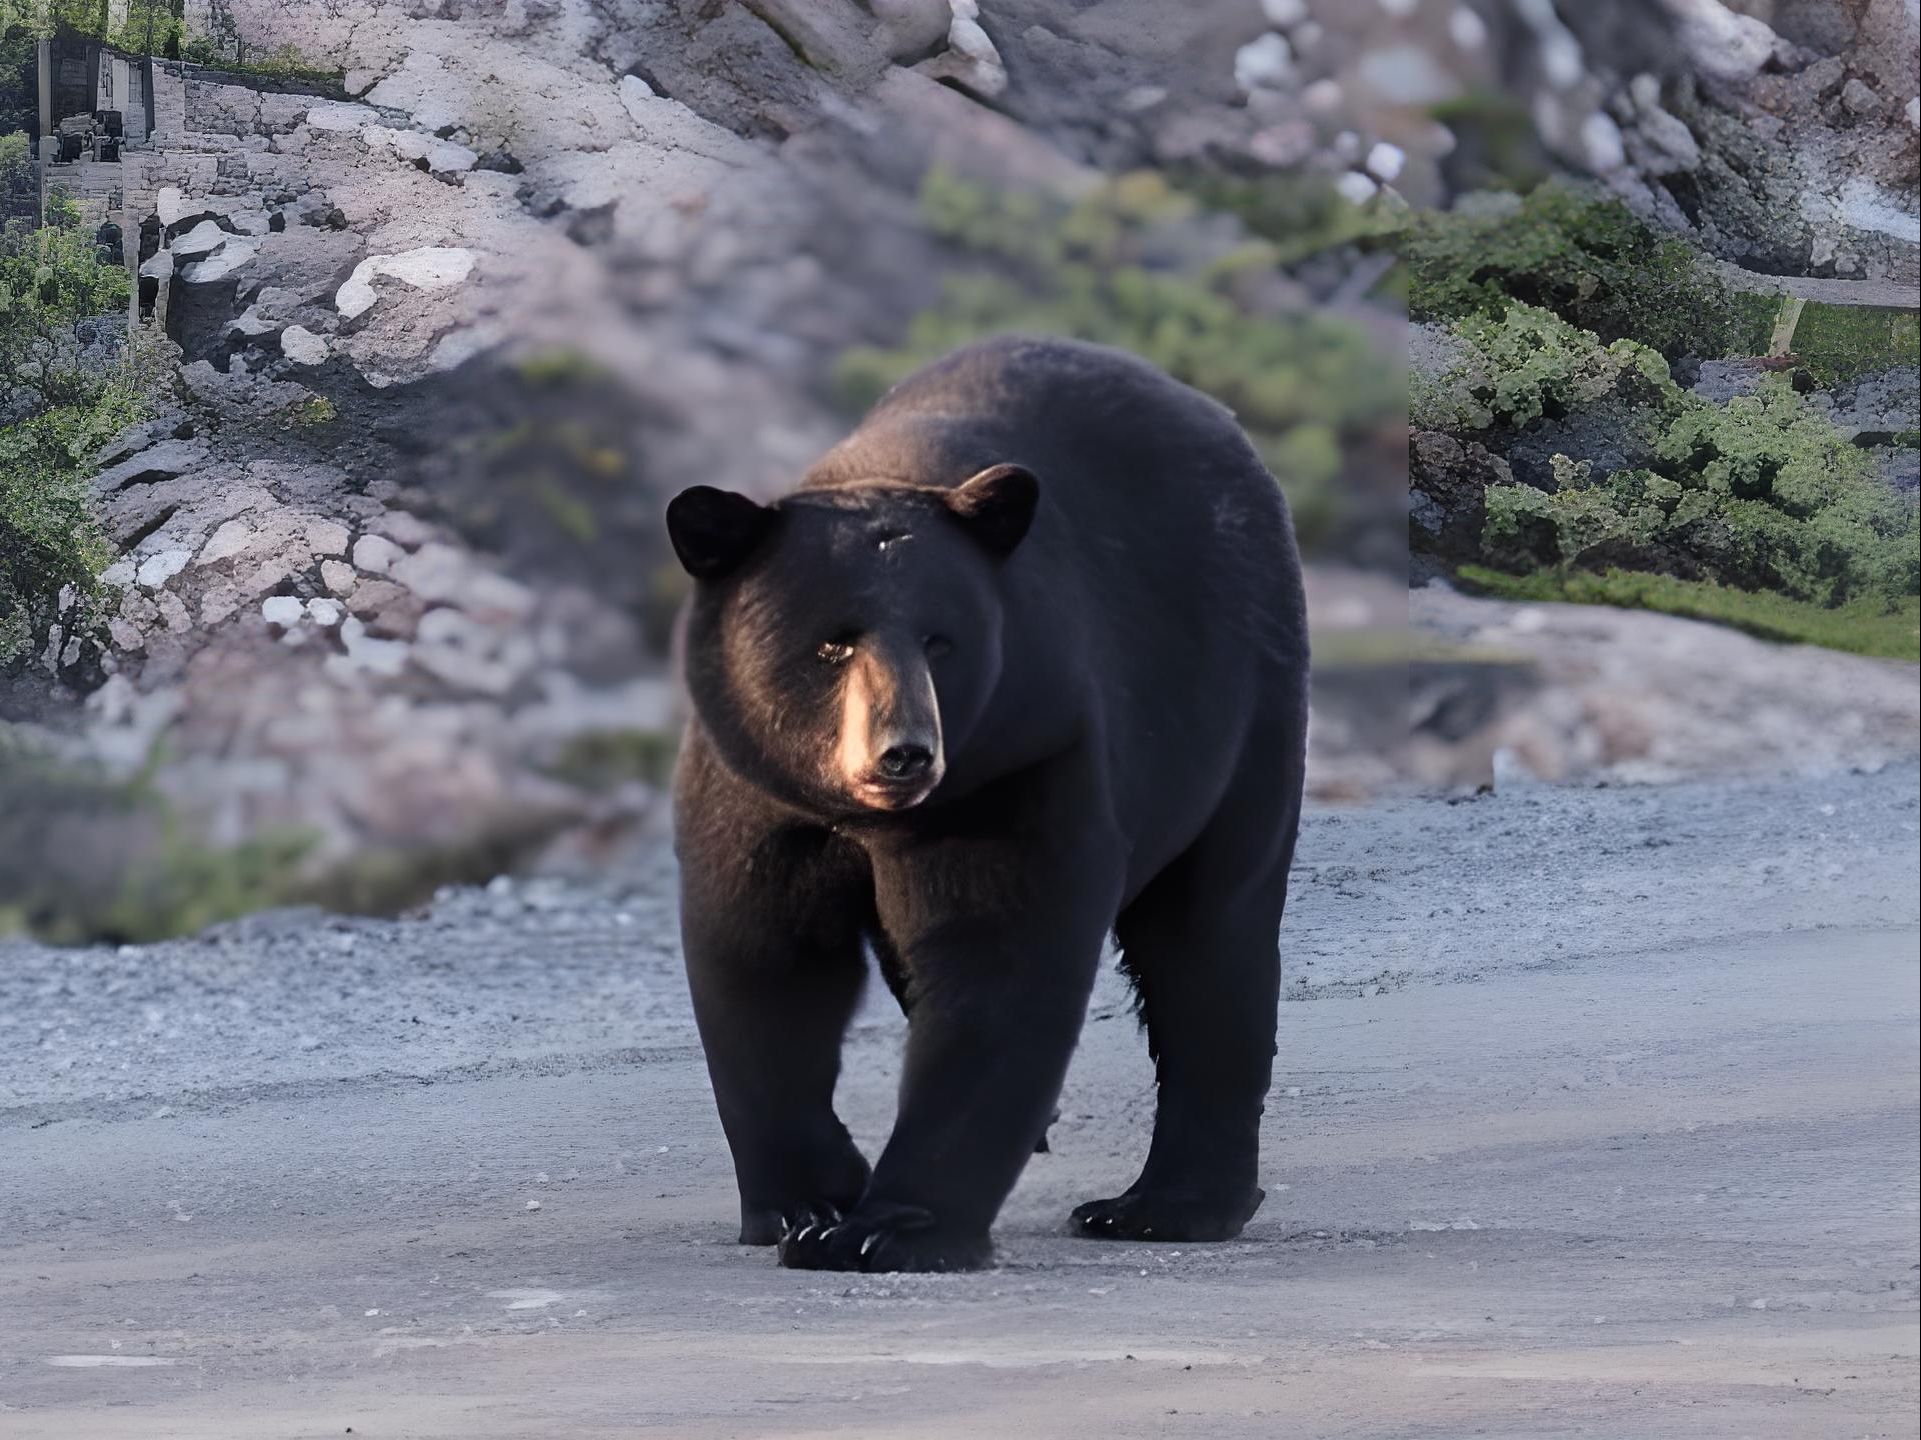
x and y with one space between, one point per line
1323 97
1384 161
533 1204
1602 144
431 267
325 612
374 553
1263 62
230 539
302 346
282 610
157 570
339 117
338 576
1284 12
1355 188
120 574
1466 29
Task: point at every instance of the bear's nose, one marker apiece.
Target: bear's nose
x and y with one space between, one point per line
905 762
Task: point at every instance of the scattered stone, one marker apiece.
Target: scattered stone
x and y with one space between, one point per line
375 554
157 570
1385 161
302 346
341 118
1264 63
325 612
338 576
431 267
282 610
1356 188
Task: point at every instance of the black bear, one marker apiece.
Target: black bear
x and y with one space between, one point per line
1020 663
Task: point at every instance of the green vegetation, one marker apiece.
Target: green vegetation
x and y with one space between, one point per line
1297 215
1890 629
599 759
1761 496
159 28
57 415
86 857
1839 343
1526 364
1584 257
1099 268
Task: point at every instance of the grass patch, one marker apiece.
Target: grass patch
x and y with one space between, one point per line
599 759
1889 630
1839 343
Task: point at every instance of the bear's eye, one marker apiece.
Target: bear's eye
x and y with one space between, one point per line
835 652
936 646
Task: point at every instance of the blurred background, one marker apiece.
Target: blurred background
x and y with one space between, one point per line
352 349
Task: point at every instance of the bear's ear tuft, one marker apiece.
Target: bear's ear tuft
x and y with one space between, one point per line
997 506
713 530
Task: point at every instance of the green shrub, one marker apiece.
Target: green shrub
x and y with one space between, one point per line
1890 629
1584 257
51 551
1761 495
1303 385
1527 364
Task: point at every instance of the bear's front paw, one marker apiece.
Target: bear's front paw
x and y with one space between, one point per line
766 1226
880 1238
1166 1215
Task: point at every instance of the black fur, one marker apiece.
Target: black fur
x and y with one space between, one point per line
1119 655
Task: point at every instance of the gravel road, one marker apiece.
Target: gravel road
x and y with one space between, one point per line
1597 1115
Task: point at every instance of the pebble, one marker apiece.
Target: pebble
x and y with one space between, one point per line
282 610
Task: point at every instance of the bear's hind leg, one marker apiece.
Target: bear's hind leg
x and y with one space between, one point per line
1201 943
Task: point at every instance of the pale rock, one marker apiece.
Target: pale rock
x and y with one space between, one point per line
325 612
1264 62
119 574
431 267
1601 143
338 576
282 610
365 653
1356 188
170 204
230 539
1384 161
157 570
1284 13
327 537
173 613
340 117
229 258
203 239
375 554
302 346
126 636
1466 29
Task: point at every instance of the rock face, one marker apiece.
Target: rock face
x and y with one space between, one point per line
448 337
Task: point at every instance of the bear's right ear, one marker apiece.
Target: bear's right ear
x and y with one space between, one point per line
713 531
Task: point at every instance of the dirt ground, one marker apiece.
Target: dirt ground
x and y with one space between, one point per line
1595 1113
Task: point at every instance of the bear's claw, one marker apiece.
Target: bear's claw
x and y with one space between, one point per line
1161 1215
882 1238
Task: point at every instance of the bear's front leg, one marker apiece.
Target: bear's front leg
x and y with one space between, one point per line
771 922
1000 944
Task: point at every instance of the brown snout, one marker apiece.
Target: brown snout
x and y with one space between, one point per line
889 756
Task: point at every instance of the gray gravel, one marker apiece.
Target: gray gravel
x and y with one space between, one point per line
548 976
1599 1119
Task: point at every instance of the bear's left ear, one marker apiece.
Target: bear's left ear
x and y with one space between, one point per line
997 506
713 530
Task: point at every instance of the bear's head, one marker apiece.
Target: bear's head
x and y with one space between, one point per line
843 642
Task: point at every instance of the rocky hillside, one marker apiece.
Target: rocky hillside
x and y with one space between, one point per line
389 601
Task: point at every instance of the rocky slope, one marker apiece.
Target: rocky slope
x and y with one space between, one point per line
391 574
